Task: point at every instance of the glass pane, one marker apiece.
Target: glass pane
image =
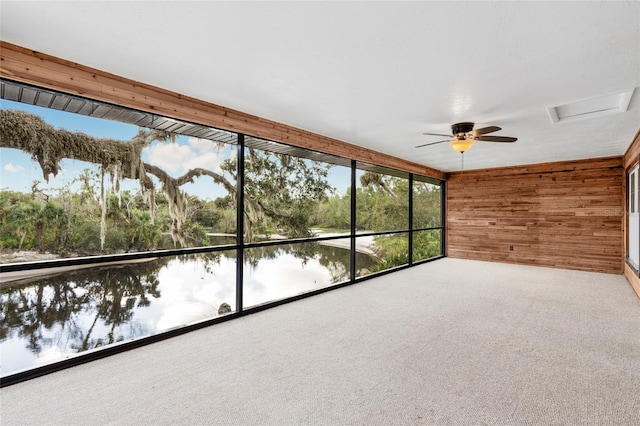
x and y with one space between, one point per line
293 196
633 193
633 232
286 270
427 207
387 251
48 318
332 216
382 200
101 186
427 244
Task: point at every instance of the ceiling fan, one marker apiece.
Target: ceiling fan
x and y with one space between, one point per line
463 136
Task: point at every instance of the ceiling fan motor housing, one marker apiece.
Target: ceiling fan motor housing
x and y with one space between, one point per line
463 128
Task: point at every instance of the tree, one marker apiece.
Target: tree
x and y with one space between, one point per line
335 212
285 189
371 180
280 190
23 217
50 224
382 202
9 200
56 304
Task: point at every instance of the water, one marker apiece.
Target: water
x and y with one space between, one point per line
50 318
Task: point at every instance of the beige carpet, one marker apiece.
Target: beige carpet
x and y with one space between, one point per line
449 342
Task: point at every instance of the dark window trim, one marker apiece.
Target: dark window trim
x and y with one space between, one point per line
239 247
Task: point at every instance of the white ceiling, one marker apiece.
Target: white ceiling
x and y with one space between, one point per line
375 74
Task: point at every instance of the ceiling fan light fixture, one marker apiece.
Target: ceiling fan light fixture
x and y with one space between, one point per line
464 136
462 145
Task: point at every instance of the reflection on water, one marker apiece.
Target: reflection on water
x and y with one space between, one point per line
48 319
282 271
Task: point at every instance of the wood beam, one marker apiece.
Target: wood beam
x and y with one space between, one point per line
39 69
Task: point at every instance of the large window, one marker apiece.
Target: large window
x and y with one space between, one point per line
382 199
58 315
382 205
428 228
75 185
293 193
118 225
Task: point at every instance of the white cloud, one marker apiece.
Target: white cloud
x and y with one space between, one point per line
202 145
13 168
180 158
170 157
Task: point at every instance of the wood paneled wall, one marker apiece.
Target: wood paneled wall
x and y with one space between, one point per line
31 67
564 214
631 158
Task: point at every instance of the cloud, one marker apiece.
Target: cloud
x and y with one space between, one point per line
202 145
174 157
13 168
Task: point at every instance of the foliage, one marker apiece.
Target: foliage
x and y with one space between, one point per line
281 192
426 244
29 224
115 158
392 251
48 146
426 205
334 212
382 205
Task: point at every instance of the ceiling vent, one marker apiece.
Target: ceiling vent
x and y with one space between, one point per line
591 108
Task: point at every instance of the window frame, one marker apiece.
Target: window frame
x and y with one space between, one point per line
240 246
632 207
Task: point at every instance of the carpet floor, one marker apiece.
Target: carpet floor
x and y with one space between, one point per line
451 342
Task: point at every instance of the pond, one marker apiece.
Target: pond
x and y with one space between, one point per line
46 319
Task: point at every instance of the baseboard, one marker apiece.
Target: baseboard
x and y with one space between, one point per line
633 278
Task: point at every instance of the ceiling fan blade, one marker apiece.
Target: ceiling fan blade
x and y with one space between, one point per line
432 143
437 134
496 139
485 130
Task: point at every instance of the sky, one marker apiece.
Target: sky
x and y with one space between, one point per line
18 171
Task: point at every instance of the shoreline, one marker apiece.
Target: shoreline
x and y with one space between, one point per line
364 245
6 277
